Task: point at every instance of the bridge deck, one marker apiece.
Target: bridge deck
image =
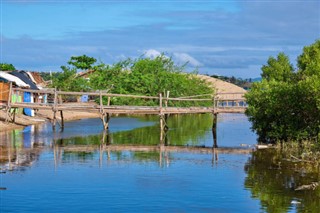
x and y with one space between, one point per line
130 109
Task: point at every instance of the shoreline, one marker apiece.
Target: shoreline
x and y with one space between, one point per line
41 116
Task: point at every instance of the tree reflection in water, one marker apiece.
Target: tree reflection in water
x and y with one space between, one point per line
184 130
273 179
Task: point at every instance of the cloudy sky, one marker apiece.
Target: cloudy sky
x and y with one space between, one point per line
233 38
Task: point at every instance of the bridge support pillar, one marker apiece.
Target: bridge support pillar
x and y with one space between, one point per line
105 117
214 129
163 128
62 120
54 120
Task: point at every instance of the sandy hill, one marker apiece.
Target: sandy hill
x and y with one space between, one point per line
222 86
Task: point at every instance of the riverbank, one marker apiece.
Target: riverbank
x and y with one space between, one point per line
41 116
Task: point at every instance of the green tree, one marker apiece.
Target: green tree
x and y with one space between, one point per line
6 67
285 105
278 69
82 62
309 60
67 80
145 76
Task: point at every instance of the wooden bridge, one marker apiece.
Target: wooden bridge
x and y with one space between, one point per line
61 101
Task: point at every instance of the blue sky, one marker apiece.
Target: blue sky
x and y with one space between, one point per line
233 38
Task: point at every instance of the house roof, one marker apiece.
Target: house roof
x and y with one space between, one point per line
37 78
15 79
25 78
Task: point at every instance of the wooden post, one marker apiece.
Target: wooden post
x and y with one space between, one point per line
161 119
62 120
9 102
105 117
161 129
100 101
109 100
55 100
160 103
166 128
166 102
108 114
214 130
214 104
60 101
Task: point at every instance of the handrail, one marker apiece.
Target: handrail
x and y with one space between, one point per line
219 100
186 98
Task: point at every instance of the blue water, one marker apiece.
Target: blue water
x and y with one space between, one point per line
189 183
53 180
84 127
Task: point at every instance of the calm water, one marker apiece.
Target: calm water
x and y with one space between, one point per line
43 173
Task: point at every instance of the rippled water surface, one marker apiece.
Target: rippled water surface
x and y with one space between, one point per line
75 171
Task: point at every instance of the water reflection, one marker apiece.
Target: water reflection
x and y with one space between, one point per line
134 143
273 180
19 149
22 148
65 152
131 156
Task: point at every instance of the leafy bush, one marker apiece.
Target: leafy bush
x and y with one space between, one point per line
285 105
146 76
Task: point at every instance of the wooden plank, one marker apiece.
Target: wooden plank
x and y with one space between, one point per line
107 94
35 91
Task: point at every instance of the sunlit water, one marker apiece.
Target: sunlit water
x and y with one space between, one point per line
41 175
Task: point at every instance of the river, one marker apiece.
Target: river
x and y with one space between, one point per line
73 170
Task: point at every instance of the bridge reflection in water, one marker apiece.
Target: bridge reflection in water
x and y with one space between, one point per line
20 149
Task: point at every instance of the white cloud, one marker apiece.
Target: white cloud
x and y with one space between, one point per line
151 53
214 49
186 58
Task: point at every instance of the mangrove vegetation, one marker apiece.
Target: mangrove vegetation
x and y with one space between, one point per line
285 105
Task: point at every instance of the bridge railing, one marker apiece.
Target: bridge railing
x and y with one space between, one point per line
54 99
54 96
219 103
